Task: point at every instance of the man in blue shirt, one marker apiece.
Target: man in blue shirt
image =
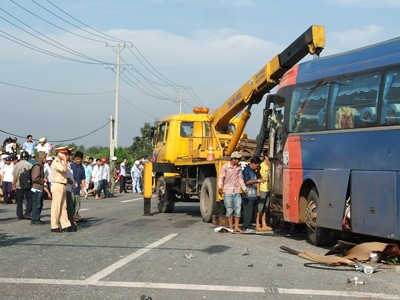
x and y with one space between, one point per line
136 174
79 177
253 190
29 145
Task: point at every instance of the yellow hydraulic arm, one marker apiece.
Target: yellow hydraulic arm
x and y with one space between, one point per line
312 41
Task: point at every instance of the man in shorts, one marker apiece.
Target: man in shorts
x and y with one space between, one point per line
263 203
229 183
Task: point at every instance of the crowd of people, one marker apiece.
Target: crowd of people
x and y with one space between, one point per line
60 175
253 180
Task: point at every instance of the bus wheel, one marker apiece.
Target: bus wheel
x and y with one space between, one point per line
208 204
318 236
165 198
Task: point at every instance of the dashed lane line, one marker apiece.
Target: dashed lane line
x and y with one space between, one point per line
99 275
131 200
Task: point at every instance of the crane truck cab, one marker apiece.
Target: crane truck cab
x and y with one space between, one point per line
186 152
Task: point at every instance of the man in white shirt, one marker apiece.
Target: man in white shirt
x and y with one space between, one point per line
7 180
96 177
105 178
43 145
122 177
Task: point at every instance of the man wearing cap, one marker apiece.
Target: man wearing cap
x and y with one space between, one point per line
136 174
32 159
59 217
23 187
229 183
43 145
113 174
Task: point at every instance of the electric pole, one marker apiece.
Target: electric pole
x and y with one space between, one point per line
112 142
118 49
180 100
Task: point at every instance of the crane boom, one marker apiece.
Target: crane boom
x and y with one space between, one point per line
312 41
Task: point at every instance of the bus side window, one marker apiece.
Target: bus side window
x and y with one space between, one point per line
391 99
310 114
345 118
367 116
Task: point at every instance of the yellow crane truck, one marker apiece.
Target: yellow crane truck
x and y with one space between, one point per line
191 148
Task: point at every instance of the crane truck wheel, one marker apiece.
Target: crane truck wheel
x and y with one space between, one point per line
165 198
208 204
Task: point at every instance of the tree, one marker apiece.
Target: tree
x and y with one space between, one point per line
142 146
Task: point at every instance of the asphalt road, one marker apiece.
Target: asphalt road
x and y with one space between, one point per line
120 254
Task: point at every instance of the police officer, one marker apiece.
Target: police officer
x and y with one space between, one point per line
59 217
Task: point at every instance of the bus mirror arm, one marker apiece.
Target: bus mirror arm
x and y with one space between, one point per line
263 129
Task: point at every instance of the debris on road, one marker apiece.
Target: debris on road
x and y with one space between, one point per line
363 256
245 252
367 269
355 281
189 255
222 229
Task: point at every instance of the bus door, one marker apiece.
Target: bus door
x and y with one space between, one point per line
332 198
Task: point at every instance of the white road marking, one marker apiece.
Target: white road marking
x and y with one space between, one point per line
83 209
198 287
99 275
131 200
337 293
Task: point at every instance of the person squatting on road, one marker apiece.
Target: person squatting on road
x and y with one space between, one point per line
229 183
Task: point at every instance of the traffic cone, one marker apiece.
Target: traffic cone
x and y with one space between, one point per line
210 154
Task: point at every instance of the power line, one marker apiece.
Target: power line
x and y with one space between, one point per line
104 34
48 22
60 141
67 49
38 49
54 92
57 16
138 108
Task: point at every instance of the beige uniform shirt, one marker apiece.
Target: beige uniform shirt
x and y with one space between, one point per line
58 175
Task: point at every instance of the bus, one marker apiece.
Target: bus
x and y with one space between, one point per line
333 130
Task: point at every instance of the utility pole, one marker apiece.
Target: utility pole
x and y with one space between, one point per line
112 142
118 49
117 95
180 100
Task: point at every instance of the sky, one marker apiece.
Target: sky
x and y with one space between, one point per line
58 58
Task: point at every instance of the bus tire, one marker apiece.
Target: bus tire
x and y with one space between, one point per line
317 236
165 198
208 203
